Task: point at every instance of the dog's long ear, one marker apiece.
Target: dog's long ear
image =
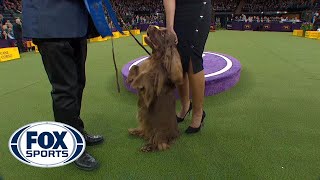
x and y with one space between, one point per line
159 82
153 84
143 82
148 90
172 61
133 73
135 78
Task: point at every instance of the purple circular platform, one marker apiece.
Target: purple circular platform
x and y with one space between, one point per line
222 72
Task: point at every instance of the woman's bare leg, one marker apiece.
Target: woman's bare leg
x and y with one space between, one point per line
184 96
197 85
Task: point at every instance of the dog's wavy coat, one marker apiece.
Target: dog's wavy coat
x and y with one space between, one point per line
156 79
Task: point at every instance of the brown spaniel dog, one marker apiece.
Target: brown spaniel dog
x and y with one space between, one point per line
156 79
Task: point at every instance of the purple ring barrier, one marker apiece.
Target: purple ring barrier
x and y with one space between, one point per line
4 43
7 43
264 26
222 72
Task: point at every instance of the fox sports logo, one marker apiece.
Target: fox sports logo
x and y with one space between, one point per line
47 144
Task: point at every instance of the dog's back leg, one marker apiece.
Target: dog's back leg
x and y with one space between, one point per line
136 132
163 146
157 142
149 148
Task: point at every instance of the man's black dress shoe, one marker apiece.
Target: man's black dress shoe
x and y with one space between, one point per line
92 140
86 162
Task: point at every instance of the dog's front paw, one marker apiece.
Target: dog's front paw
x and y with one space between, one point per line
136 132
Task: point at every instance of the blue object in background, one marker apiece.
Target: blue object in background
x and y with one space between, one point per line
95 8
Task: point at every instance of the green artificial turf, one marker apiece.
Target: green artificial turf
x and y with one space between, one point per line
267 127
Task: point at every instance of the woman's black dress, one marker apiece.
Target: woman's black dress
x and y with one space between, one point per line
192 25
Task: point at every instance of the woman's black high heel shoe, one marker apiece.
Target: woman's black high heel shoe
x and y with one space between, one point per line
179 120
192 130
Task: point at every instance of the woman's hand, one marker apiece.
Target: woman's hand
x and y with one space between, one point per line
171 30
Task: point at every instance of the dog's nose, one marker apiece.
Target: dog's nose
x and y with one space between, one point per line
149 28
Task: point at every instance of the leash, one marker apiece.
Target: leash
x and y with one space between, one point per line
114 58
134 37
115 65
141 45
113 54
96 11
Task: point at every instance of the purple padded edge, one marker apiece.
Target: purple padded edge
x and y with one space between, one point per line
215 84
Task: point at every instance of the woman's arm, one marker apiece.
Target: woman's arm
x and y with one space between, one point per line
170 8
